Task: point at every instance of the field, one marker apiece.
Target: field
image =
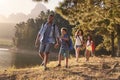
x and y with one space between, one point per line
98 68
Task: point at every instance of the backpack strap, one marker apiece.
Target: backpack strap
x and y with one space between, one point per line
80 40
54 30
43 25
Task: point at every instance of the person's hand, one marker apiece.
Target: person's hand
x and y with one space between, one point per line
56 45
36 45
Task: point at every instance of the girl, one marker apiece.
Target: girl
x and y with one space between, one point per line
89 47
64 49
78 42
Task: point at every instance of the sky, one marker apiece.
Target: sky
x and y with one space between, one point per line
8 7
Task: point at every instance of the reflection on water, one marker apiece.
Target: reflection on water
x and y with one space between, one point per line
4 49
20 58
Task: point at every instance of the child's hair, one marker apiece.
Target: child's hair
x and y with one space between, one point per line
80 30
90 37
65 29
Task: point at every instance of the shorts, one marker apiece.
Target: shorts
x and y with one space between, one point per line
64 52
45 48
78 46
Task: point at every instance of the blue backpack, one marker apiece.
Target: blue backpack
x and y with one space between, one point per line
70 44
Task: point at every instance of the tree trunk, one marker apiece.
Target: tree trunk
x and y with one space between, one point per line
118 49
112 39
118 37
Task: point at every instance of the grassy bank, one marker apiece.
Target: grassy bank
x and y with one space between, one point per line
98 68
6 43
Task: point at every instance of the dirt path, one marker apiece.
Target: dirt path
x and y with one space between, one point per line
98 68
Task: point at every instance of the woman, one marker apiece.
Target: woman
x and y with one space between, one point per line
78 43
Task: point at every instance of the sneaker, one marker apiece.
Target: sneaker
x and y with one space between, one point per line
45 68
59 65
42 63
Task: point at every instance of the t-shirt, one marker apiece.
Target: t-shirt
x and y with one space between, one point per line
64 43
79 40
90 45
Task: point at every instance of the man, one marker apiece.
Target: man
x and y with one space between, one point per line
48 35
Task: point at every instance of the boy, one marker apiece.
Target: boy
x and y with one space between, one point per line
64 49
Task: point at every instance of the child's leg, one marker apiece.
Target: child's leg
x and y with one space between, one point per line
66 62
59 58
66 55
92 53
87 54
77 53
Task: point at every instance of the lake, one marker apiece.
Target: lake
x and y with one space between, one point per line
20 58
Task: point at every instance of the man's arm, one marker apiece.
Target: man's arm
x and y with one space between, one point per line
38 36
37 40
57 35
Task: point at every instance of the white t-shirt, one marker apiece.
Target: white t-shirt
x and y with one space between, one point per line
88 43
79 40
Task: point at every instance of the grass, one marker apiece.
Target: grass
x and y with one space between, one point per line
6 42
81 70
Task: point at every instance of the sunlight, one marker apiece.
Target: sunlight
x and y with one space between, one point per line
3 6
8 7
3 2
4 49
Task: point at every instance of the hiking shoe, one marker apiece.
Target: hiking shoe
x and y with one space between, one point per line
46 68
59 65
42 63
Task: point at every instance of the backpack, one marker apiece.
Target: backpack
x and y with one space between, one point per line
70 44
93 46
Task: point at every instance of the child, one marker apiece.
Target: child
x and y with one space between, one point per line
78 43
89 47
64 49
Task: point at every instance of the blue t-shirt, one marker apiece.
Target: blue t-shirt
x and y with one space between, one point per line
64 43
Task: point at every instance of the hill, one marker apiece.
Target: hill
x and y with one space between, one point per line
98 68
19 17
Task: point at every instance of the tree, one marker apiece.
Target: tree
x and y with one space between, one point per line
97 17
26 32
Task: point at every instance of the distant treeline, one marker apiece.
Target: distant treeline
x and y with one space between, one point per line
7 30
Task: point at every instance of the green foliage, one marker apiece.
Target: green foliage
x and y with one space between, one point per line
26 32
95 17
